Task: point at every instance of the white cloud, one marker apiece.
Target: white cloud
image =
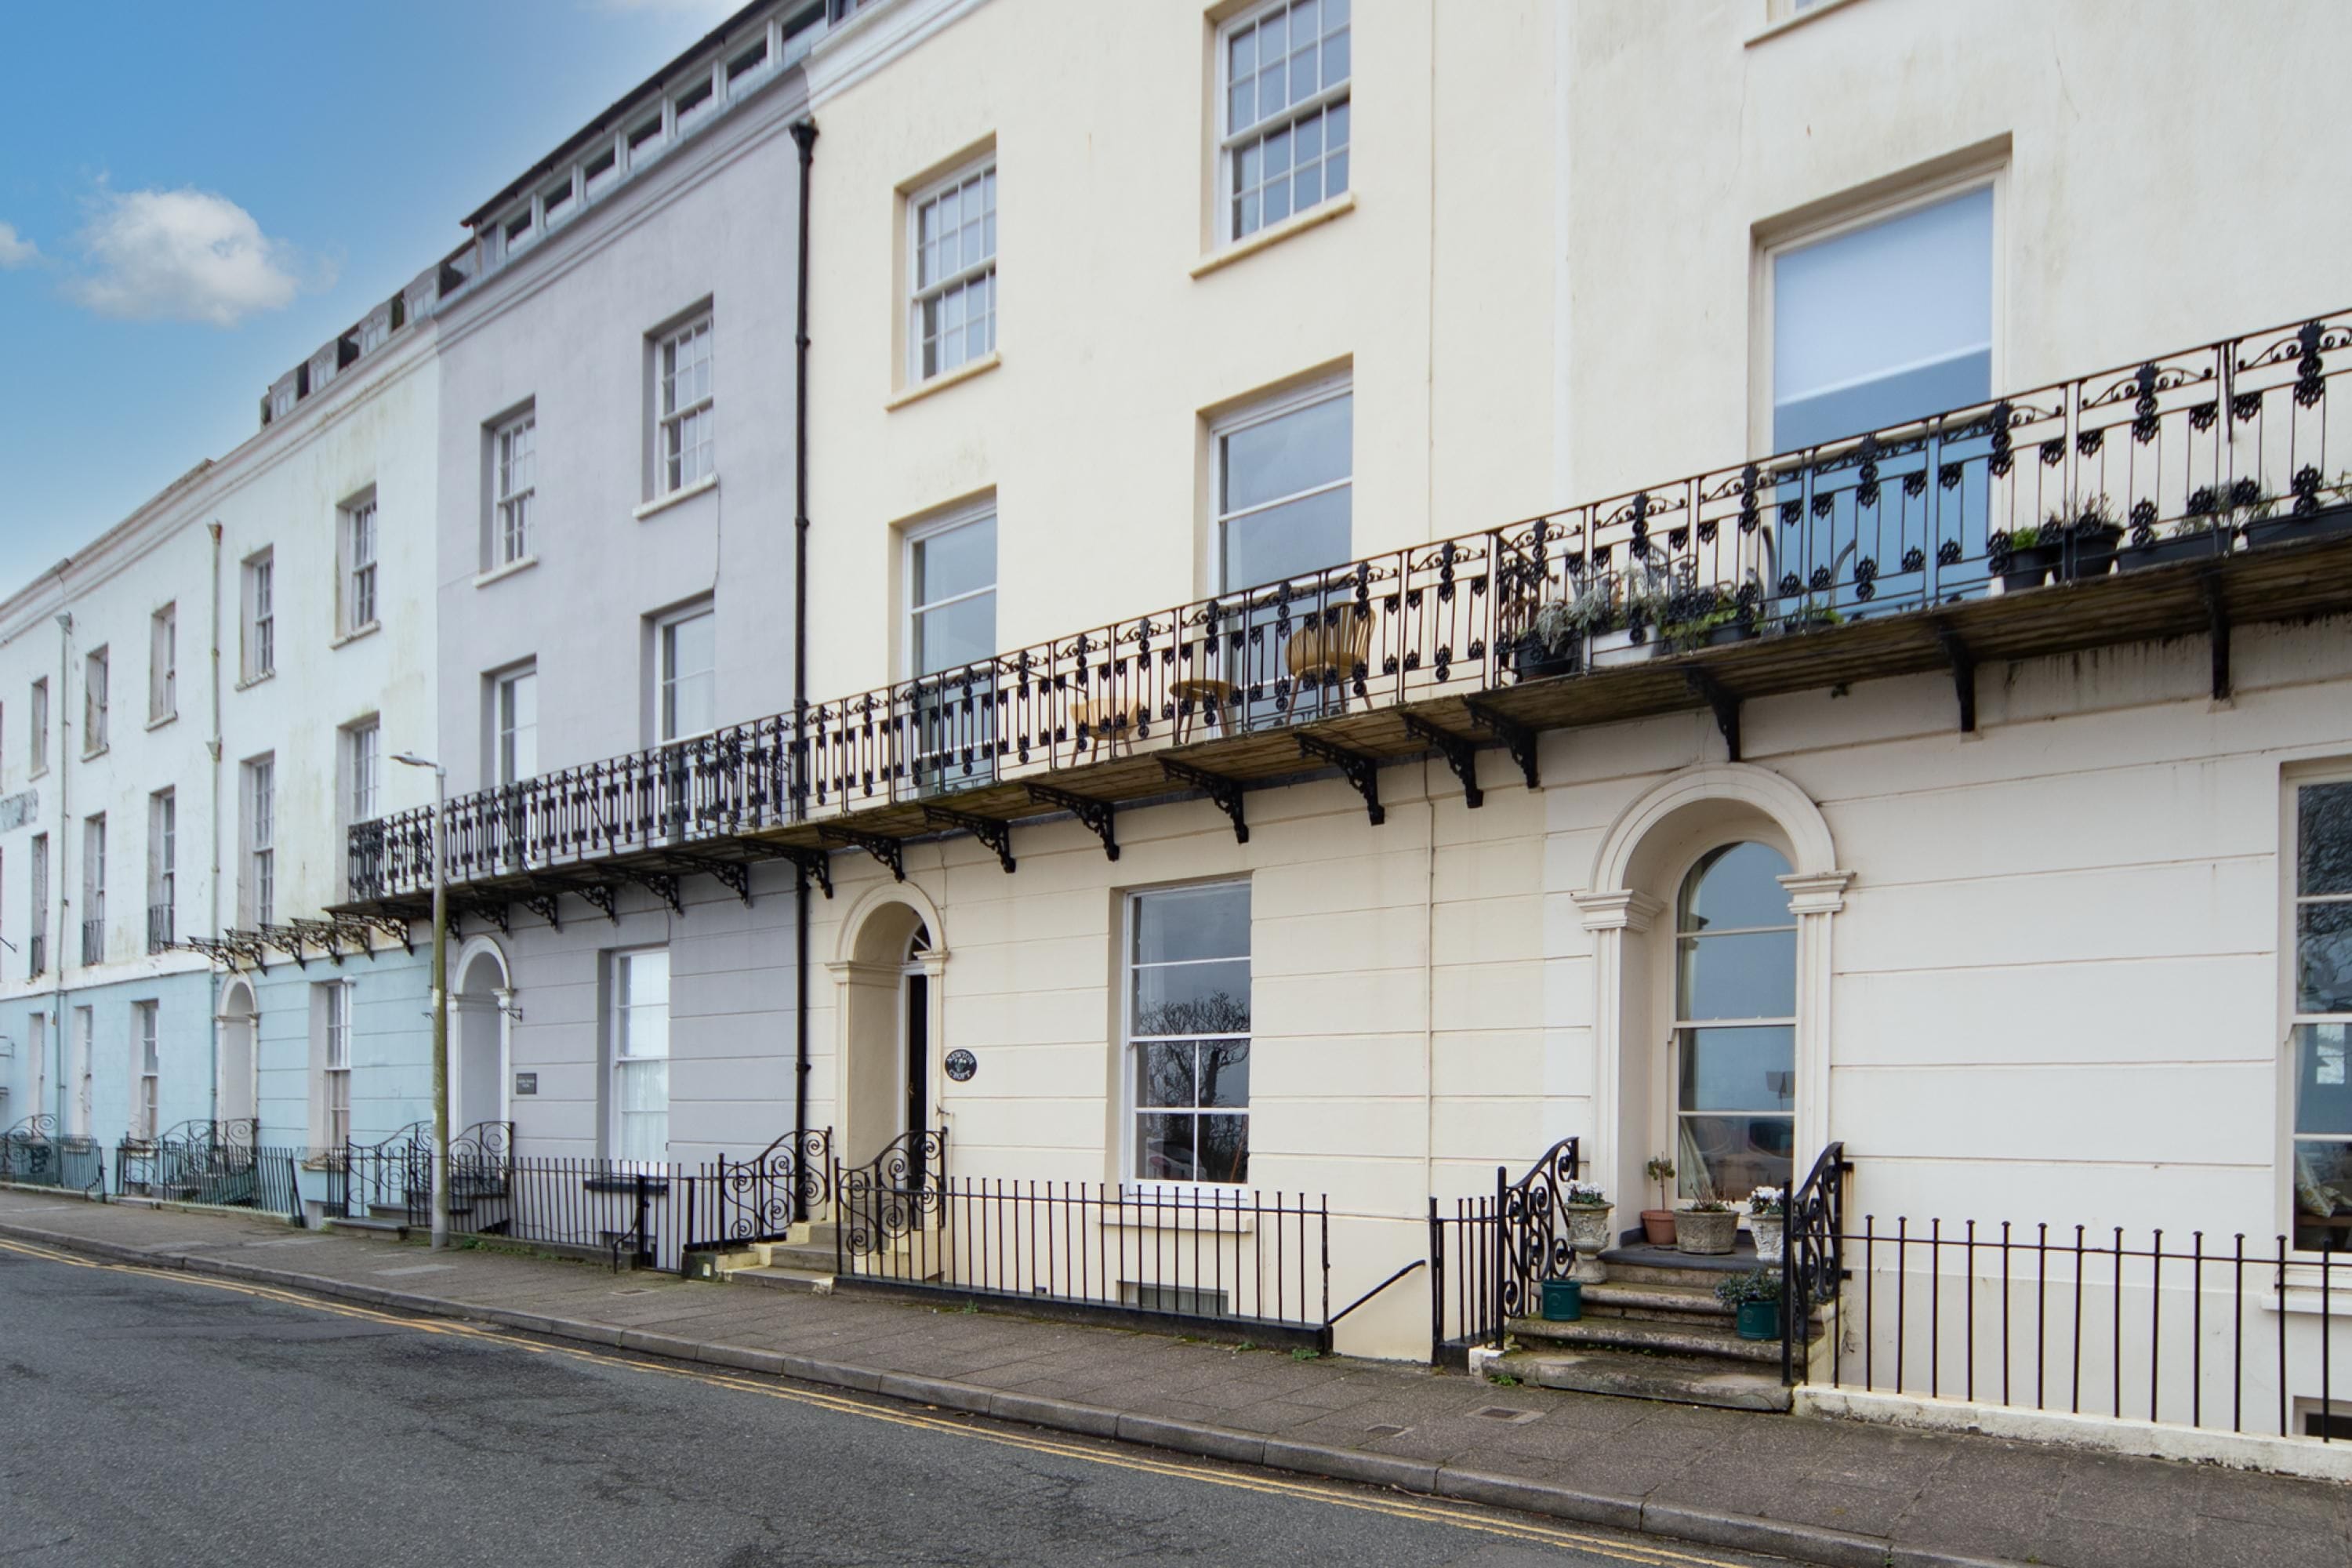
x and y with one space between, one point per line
188 256
15 252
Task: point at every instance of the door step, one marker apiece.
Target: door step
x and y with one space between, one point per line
372 1224
1693 1339
776 1279
1681 1380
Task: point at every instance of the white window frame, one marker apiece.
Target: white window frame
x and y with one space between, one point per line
514 486
980 276
359 548
162 858
147 1060
260 618
363 770
666 677
1232 142
2295 901
1130 1110
40 704
335 1064
163 664
505 767
618 1058
686 434
1325 389
261 839
917 536
93 883
96 677
83 1045
40 894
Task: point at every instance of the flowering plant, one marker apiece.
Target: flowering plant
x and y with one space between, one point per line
1768 1201
1586 1194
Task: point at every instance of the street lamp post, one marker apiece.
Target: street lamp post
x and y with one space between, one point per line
440 994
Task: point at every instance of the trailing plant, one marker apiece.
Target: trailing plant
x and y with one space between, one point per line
1755 1285
1766 1200
1557 623
1660 1170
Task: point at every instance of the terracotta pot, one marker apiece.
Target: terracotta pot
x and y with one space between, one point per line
1658 1226
1770 1232
1588 1228
1706 1231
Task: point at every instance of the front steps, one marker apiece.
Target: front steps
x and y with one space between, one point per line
802 1260
1653 1329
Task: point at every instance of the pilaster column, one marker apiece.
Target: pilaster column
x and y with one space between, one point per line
1814 898
1610 916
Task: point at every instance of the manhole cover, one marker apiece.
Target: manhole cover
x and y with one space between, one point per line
1505 1413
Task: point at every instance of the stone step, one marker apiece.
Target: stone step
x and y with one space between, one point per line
1653 1303
782 1278
1693 1339
1665 1265
373 1224
809 1260
1632 1375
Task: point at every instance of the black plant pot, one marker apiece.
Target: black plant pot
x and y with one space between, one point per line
2090 553
2329 522
2030 567
1534 661
1730 632
2178 547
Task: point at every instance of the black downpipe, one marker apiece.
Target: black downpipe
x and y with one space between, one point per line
804 138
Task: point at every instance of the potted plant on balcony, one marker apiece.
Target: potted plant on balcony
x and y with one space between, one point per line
1708 617
1638 613
1553 643
1755 1301
1708 1227
2324 518
1658 1224
2205 531
2077 540
1768 1218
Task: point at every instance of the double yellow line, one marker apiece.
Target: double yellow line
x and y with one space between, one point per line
1394 1507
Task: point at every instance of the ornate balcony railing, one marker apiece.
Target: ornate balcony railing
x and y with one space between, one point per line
161 927
2211 452
93 940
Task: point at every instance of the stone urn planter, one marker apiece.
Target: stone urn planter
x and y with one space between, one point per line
1587 1232
1770 1232
1706 1231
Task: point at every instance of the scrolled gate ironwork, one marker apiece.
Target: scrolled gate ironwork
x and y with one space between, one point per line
760 1199
900 1190
1812 1258
1531 1241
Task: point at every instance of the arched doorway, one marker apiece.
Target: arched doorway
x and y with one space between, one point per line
887 1005
477 1075
234 1094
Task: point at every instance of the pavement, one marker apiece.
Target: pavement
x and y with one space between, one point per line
1815 1490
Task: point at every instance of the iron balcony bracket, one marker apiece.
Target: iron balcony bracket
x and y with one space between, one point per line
1361 772
1094 816
1460 752
492 910
324 935
2216 616
1223 792
891 852
1517 738
732 875
285 940
388 925
244 946
358 933
1725 706
547 904
995 835
813 864
1963 676
600 897
662 885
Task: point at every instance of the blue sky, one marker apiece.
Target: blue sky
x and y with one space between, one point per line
193 197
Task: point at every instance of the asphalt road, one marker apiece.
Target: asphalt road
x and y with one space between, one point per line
146 1419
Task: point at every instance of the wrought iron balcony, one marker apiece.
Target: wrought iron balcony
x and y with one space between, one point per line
93 940
2143 502
160 933
37 949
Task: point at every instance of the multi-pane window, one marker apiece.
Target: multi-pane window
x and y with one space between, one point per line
640 1125
38 943
260 616
2323 1017
1734 1043
1283 147
40 716
162 869
94 696
150 1070
93 889
1883 323
363 769
260 841
684 412
954 317
335 1065
163 664
1187 1032
1284 489
687 698
514 448
359 565
80 1072
951 625
517 718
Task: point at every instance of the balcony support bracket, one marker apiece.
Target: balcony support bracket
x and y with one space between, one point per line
2216 616
1518 739
1963 676
891 852
1223 792
328 935
1096 816
662 885
387 925
547 903
600 897
492 910
1362 773
1460 752
994 834
815 865
733 875
359 932
1725 703
288 940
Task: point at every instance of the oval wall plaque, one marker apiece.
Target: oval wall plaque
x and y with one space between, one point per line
961 1064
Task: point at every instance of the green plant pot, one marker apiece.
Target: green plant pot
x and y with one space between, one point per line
1563 1300
1759 1319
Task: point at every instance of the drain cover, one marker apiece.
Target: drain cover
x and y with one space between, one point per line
1505 1413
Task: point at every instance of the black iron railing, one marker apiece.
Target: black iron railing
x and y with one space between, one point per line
760 1199
34 1153
161 927
1812 1254
93 940
1489 1257
36 955
2096 1323
1462 1277
2211 450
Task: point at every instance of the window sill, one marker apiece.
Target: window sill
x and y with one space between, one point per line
160 720
1297 223
356 633
663 503
1170 1207
250 681
498 574
93 754
946 379
1790 22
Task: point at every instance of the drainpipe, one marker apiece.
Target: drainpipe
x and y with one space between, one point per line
213 747
803 138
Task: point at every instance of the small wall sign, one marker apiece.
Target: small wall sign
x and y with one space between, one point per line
526 1083
961 1064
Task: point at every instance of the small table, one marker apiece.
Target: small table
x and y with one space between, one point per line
1199 699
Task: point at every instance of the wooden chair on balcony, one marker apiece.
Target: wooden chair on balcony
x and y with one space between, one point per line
1110 726
1329 649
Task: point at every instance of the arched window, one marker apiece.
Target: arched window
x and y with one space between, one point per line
1734 1024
